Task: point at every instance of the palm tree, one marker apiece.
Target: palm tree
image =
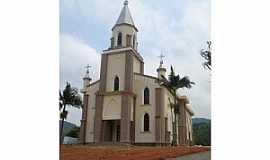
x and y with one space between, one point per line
173 84
71 97
206 54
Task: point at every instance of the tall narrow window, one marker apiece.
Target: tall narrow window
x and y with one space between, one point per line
146 122
128 40
119 39
134 41
112 42
146 94
116 84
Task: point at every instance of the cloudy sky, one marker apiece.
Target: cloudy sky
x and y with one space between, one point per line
178 28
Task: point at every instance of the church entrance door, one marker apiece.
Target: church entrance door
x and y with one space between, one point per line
112 131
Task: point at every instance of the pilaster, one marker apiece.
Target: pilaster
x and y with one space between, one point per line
159 118
99 99
127 100
84 119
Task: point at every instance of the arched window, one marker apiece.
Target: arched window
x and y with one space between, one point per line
116 84
146 95
119 39
146 122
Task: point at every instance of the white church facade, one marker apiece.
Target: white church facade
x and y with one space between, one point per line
125 105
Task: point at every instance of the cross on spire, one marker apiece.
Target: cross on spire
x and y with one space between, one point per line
87 67
161 56
87 70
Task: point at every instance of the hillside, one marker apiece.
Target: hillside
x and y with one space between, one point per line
200 120
67 127
201 131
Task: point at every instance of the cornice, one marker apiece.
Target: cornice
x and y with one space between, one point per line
112 93
124 49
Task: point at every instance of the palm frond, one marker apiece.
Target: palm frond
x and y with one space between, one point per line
185 82
77 102
60 96
60 105
206 54
63 115
172 71
71 96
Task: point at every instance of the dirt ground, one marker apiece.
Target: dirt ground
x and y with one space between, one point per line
86 152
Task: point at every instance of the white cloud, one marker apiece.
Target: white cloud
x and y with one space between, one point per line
74 56
181 39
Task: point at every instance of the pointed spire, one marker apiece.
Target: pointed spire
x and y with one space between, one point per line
87 76
125 16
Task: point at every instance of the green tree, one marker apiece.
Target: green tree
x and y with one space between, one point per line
74 132
206 54
202 134
69 97
173 83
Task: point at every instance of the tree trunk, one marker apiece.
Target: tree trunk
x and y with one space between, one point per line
62 126
174 126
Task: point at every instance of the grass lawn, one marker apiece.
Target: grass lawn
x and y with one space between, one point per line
86 152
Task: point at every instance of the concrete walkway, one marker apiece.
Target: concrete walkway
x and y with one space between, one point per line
196 156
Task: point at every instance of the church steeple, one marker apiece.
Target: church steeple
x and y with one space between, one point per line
124 32
161 70
86 78
125 16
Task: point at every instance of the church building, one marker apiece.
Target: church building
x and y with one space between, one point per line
125 105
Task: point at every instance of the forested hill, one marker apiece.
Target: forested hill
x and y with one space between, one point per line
67 127
200 120
201 131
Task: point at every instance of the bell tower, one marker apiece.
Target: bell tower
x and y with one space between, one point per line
115 98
